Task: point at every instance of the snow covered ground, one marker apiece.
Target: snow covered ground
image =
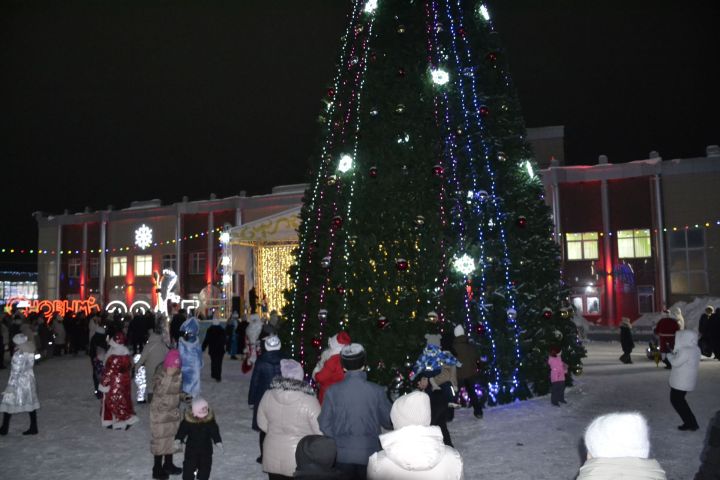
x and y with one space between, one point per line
521 441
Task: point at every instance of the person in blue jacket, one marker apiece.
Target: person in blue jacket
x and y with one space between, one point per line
353 412
267 367
190 356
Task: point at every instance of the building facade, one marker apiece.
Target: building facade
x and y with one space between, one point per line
637 236
119 255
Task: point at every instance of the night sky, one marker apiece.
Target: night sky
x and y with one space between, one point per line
107 102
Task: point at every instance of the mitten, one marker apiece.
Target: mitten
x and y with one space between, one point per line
103 388
178 445
220 447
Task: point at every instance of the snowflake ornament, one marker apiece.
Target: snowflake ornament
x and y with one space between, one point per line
143 237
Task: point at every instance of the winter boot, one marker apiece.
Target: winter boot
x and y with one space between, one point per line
6 424
158 472
33 430
169 468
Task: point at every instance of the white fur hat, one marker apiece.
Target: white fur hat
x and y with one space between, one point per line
272 343
411 409
19 339
459 331
618 435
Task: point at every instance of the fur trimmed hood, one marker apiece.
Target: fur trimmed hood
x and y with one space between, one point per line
190 418
291 385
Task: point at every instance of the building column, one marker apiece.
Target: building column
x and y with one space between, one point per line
83 263
103 260
178 252
660 240
609 309
58 259
210 267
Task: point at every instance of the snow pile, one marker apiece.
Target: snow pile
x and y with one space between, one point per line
690 311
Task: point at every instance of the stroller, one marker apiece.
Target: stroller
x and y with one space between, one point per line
653 352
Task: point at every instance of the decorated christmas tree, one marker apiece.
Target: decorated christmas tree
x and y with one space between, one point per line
424 211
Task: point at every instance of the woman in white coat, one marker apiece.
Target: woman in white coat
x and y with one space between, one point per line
21 393
414 450
288 411
685 360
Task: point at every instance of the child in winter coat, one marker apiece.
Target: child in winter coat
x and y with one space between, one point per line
626 340
288 411
558 370
618 446
315 459
20 395
414 449
328 370
190 356
685 360
117 412
198 432
165 415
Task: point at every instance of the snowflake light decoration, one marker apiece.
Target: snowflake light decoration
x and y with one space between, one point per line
143 236
464 264
439 76
345 164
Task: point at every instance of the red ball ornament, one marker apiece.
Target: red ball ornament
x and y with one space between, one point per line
331 92
340 290
382 323
336 222
521 221
316 342
479 328
461 32
547 313
491 57
401 264
373 172
438 170
373 56
484 111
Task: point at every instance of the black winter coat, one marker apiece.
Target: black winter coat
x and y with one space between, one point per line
214 340
177 320
439 412
198 434
266 368
626 340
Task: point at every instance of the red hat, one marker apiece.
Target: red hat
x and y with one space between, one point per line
119 338
554 350
343 338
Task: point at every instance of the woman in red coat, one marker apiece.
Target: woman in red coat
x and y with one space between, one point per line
328 370
117 409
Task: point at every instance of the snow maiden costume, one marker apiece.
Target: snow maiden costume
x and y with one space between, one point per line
117 410
20 395
190 356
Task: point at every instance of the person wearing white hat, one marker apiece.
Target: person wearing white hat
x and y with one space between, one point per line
266 368
20 395
618 446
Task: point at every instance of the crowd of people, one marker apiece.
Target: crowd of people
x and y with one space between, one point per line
328 423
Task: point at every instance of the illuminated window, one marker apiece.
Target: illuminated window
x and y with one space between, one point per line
94 267
169 262
197 263
118 266
74 267
688 263
582 246
634 243
143 265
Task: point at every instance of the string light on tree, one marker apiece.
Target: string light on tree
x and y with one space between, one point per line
225 237
370 6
